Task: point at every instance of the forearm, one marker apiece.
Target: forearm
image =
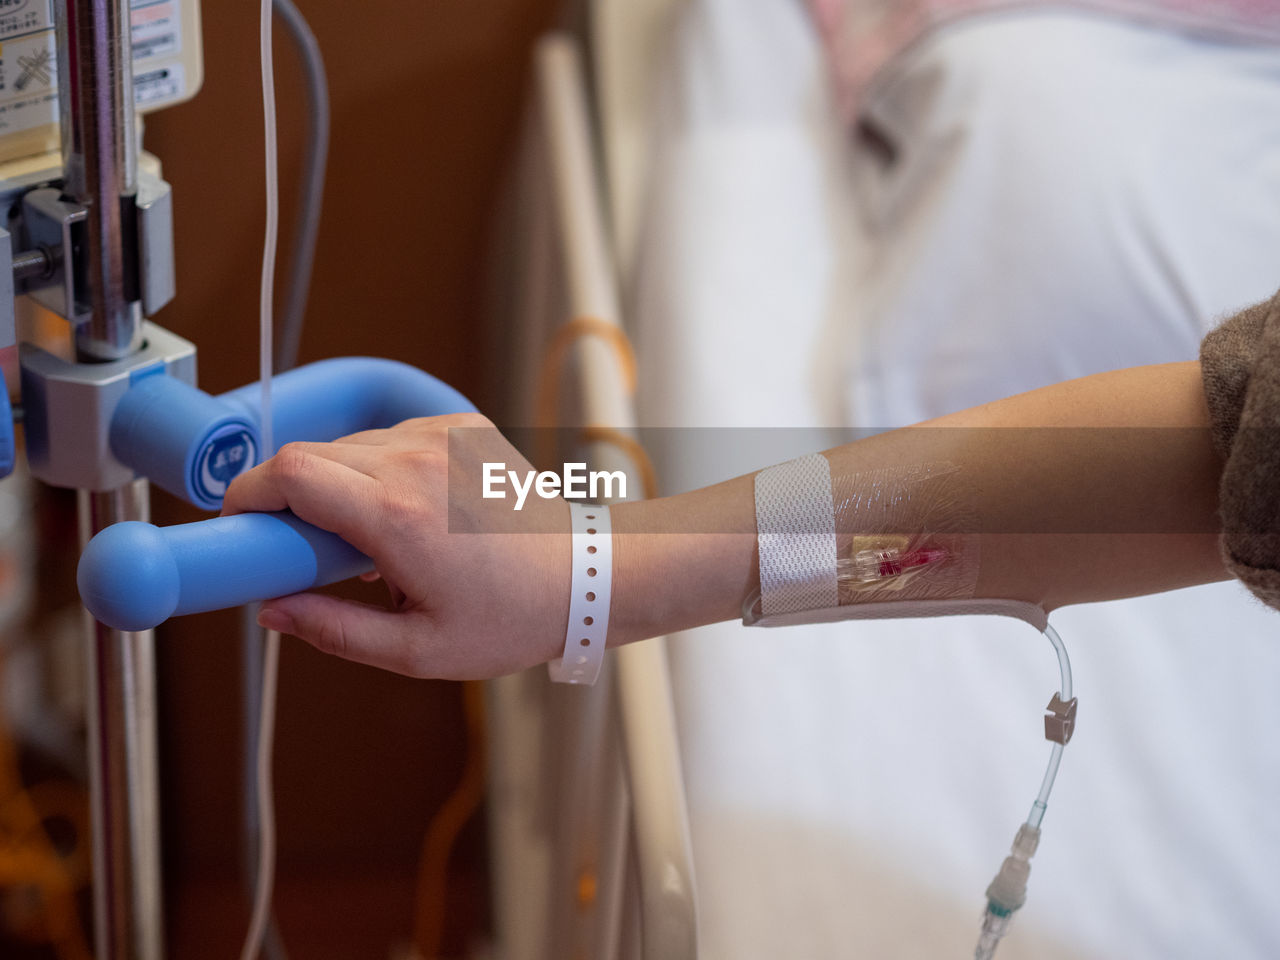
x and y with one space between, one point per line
1102 487
1094 489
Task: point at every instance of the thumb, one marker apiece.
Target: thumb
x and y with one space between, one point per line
344 628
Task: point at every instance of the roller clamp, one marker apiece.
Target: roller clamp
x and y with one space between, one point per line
1060 720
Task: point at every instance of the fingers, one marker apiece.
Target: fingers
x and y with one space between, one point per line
344 628
415 427
319 490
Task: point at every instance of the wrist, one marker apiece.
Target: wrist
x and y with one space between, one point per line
682 561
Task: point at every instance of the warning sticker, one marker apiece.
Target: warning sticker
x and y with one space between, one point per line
157 28
163 83
28 66
18 17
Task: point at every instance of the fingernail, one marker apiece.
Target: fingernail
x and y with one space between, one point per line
277 620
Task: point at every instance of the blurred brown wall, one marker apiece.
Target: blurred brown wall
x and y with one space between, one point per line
426 97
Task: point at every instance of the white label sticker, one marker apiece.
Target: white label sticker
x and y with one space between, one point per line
162 83
28 61
28 68
21 17
157 28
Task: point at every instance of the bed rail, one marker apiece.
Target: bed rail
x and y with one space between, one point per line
662 848
622 885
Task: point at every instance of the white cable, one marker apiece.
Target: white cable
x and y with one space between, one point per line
267 290
266 806
271 653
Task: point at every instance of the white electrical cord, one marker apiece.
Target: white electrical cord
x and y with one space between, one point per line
271 653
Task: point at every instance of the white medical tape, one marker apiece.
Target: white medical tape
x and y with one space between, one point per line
796 535
590 590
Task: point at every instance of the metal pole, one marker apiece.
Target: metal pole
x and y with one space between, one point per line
100 169
123 772
100 172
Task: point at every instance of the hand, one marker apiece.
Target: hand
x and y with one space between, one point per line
478 589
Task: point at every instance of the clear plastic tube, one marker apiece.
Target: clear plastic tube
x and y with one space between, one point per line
271 657
1064 662
266 806
266 290
288 326
1055 756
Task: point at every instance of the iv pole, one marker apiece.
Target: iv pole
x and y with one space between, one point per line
100 169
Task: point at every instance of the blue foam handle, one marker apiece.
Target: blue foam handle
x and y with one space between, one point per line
193 444
332 398
183 440
134 576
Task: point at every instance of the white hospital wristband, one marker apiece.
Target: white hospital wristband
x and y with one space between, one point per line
589 593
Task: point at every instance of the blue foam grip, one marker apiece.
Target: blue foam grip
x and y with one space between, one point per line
182 439
134 576
332 398
193 444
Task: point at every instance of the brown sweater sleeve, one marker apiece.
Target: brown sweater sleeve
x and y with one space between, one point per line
1240 364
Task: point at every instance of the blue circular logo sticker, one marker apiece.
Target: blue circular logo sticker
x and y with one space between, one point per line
222 459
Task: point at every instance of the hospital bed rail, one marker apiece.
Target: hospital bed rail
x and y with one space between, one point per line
587 786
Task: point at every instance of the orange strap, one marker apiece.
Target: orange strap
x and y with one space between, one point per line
632 448
548 399
445 827
566 336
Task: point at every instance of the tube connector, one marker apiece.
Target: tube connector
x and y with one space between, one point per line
1008 891
994 926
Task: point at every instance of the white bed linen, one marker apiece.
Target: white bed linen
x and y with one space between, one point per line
853 788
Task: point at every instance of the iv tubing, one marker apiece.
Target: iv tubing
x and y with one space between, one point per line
996 917
271 656
267 288
306 229
1055 757
266 808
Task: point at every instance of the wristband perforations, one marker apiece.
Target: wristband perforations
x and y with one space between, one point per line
590 593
